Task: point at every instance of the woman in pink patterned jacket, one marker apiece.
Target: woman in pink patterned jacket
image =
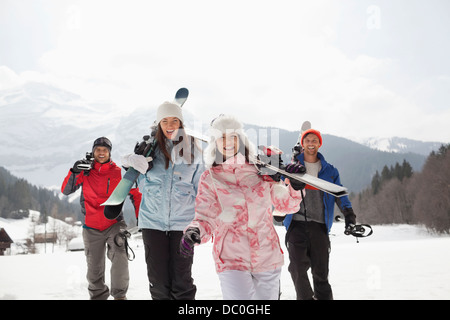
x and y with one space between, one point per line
234 206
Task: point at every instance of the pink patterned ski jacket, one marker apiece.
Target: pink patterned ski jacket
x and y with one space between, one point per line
234 206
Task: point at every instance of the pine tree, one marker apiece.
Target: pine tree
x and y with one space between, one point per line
386 174
432 203
19 195
376 183
407 170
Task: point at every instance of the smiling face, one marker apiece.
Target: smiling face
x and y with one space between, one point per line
170 126
311 145
101 154
228 145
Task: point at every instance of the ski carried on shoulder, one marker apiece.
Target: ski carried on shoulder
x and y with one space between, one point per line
113 206
325 186
298 149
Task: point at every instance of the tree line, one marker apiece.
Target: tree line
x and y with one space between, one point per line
17 196
395 195
399 195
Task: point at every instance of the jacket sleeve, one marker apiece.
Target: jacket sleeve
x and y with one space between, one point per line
344 204
135 197
284 198
72 182
207 208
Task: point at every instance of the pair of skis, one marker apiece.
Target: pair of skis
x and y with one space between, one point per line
328 187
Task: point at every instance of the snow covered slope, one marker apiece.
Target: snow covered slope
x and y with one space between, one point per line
401 145
396 262
44 130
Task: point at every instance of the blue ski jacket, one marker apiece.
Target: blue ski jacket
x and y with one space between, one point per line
168 195
331 174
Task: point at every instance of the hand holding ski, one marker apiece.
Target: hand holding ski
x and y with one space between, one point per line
137 161
328 187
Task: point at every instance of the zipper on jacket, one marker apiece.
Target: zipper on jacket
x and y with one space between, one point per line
107 187
170 195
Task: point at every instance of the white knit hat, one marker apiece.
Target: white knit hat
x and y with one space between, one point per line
225 124
168 109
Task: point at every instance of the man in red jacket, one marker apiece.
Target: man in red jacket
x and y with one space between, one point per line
98 180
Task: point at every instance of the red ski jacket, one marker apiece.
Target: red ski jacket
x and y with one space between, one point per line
97 185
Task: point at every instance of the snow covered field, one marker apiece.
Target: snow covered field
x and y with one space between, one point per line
396 262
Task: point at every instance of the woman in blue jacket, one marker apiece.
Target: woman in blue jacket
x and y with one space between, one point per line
168 204
307 230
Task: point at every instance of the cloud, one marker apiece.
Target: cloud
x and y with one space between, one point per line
8 78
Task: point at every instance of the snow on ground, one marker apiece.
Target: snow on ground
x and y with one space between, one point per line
396 262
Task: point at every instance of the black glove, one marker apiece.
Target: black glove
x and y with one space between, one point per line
147 147
81 165
295 168
350 220
297 185
190 238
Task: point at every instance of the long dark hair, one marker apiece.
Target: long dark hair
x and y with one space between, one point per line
186 145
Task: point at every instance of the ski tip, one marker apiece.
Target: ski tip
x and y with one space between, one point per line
111 212
181 96
182 93
306 126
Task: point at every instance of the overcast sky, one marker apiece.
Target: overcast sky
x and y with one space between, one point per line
354 68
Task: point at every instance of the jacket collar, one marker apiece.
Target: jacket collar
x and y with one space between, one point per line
238 159
99 166
301 158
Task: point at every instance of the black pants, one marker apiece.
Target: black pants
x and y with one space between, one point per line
309 247
168 272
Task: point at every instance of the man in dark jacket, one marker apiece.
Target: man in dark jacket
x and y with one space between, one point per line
307 236
98 180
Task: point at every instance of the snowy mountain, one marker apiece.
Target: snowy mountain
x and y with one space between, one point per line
44 130
400 145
